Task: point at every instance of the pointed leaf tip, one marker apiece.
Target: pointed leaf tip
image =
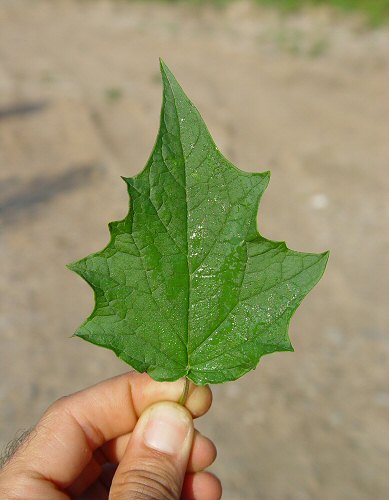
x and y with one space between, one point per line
163 66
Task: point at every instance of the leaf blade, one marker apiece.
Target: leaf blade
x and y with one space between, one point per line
187 286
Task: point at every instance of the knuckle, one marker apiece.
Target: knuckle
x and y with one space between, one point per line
151 479
53 414
58 406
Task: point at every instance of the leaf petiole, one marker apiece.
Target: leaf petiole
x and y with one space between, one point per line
185 392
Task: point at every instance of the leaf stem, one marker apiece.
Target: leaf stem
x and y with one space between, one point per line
185 391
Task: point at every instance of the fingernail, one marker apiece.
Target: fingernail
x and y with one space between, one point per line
167 428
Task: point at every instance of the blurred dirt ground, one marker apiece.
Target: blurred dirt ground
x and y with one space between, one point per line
306 97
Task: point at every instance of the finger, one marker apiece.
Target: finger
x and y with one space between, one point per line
201 486
203 452
74 427
89 475
155 461
99 489
114 450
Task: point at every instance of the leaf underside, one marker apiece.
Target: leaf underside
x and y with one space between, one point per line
187 286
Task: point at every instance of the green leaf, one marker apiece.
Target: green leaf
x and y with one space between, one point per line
187 286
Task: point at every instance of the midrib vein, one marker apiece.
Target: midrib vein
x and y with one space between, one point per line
189 277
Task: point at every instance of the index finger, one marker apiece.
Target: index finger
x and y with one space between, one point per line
70 431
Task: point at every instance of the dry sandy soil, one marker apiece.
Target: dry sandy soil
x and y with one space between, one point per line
306 97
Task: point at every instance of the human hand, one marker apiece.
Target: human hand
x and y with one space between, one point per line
129 421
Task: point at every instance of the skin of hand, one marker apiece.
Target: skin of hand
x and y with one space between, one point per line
123 438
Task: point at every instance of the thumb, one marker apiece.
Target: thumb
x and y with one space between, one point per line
156 457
